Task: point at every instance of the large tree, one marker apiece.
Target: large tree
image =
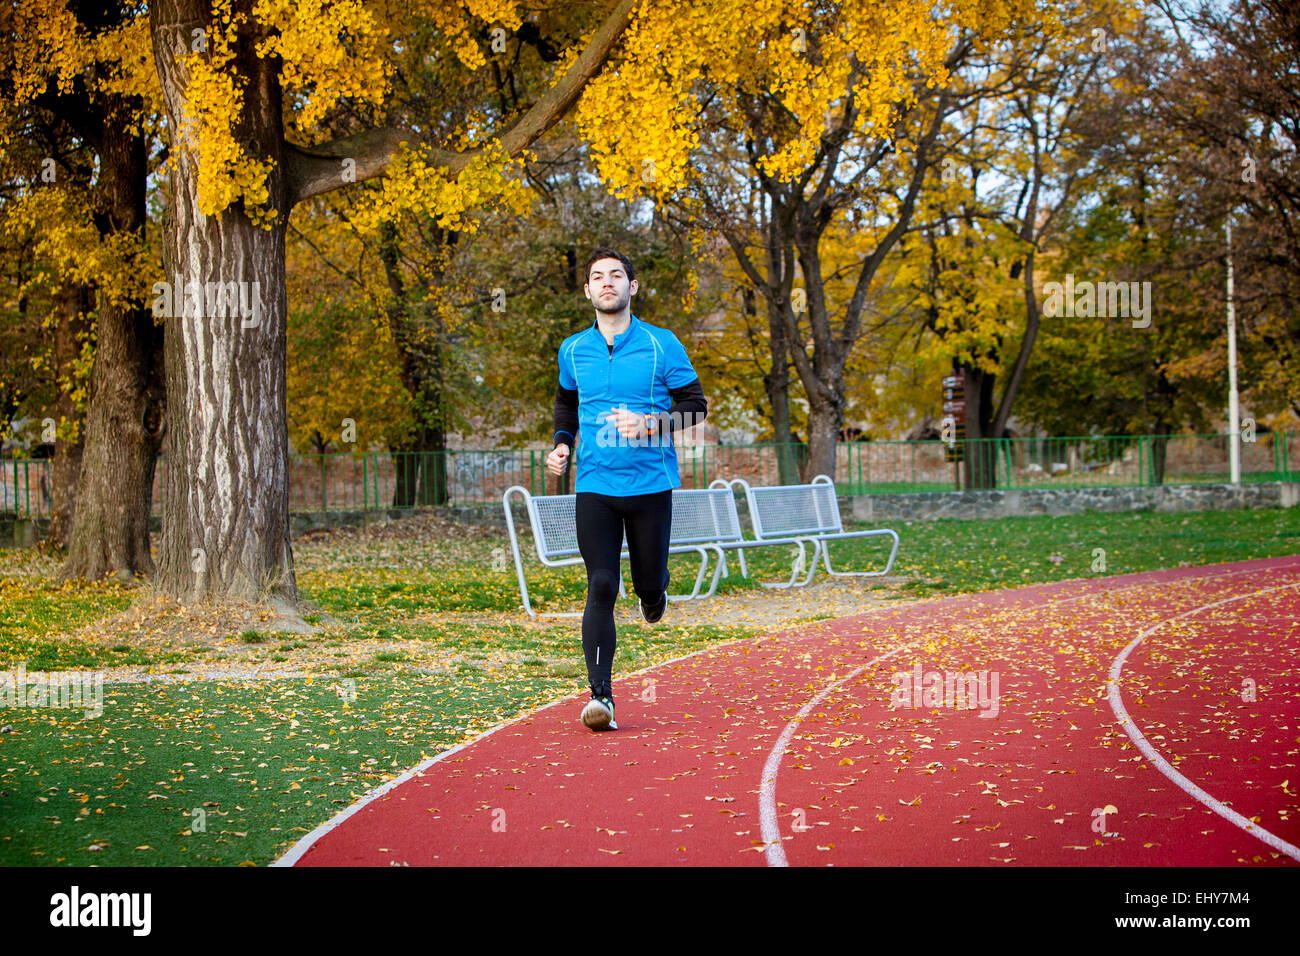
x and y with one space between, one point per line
79 96
1231 98
824 125
1199 124
246 86
1011 167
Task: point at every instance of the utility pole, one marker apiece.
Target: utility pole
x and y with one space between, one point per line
1234 426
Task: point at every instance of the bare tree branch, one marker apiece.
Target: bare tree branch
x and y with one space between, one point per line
312 170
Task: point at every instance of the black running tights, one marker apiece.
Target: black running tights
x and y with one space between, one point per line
601 521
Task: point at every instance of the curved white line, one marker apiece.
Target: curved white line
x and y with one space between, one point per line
773 849
771 830
1117 705
295 852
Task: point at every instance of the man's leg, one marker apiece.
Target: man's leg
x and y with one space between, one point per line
600 539
649 530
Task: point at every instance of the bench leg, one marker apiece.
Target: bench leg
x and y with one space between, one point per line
893 553
740 556
812 565
519 561
514 547
717 572
744 568
797 568
699 579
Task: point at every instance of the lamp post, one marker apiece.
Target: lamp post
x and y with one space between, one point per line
1234 426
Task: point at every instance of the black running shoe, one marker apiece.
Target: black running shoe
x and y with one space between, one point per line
599 714
651 613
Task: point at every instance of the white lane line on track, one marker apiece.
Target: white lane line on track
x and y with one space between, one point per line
296 852
1184 784
305 843
771 829
773 849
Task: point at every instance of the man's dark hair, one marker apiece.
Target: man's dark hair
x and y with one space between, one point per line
603 252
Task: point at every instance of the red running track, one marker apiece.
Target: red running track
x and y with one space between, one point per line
804 748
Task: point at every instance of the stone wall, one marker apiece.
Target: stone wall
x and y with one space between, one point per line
1066 501
492 516
25 532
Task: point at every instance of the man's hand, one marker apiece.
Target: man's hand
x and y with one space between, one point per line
629 424
557 460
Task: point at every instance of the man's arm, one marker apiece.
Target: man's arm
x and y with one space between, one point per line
689 408
566 416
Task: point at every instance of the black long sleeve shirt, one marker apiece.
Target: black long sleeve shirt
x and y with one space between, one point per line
689 409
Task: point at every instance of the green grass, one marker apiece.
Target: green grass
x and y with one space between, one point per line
33 612
263 763
946 557
269 760
266 761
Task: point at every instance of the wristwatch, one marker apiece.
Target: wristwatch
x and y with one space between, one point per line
651 423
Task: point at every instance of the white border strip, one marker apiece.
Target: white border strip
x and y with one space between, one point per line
773 848
1127 722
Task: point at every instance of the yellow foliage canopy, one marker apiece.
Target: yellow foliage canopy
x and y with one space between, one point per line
641 117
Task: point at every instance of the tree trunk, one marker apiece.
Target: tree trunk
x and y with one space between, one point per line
981 465
420 472
1159 453
405 476
226 494
777 384
1033 318
822 374
824 424
420 463
72 306
124 428
433 476
124 410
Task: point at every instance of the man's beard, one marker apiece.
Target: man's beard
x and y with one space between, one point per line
618 304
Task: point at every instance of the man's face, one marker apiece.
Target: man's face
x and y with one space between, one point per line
608 287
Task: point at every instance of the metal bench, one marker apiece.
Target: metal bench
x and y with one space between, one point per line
709 516
555 537
734 539
809 512
704 520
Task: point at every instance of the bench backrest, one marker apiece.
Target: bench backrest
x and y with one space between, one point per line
783 510
705 514
553 525
700 515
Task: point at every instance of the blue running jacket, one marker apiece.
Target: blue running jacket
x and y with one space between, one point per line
645 364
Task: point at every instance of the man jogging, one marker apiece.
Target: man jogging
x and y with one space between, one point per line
625 386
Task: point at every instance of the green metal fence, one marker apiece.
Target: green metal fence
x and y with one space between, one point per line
1090 461
350 482
25 486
